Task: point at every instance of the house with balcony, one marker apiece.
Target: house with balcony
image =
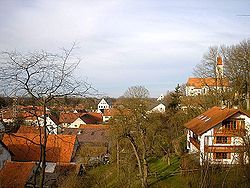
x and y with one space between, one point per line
217 135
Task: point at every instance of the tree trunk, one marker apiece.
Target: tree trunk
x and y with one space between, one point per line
43 143
138 161
118 161
145 172
145 162
43 162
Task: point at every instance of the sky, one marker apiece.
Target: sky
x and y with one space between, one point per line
123 43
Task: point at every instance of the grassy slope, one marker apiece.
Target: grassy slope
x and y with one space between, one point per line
164 175
161 174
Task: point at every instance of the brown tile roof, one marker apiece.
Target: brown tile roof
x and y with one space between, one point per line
68 117
29 129
28 115
90 119
15 174
212 82
90 133
96 116
210 118
25 147
54 119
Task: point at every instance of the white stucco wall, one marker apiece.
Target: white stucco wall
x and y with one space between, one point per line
76 123
159 108
51 126
103 105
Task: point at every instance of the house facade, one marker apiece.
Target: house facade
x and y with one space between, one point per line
52 124
104 104
161 97
159 108
217 135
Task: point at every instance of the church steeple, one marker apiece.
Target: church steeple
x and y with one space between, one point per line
219 67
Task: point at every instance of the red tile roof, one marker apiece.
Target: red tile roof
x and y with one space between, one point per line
210 82
96 116
210 118
29 129
28 115
69 117
25 147
15 174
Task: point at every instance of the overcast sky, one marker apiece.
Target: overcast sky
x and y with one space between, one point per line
155 43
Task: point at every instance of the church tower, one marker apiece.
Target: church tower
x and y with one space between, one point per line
219 67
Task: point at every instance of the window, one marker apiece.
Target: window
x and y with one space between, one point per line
222 155
222 140
230 124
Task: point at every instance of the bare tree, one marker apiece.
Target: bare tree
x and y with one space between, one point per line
136 92
43 77
237 69
236 59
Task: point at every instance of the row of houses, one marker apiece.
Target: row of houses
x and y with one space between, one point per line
68 136
22 150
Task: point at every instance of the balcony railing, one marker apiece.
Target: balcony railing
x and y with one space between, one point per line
230 149
229 132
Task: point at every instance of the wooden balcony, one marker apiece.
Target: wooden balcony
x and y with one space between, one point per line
229 149
196 143
229 132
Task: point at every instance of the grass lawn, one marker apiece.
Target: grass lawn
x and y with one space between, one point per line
164 175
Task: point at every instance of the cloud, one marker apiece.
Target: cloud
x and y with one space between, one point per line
124 43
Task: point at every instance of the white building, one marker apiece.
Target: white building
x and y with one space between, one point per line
104 104
51 123
159 108
201 86
216 135
161 97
